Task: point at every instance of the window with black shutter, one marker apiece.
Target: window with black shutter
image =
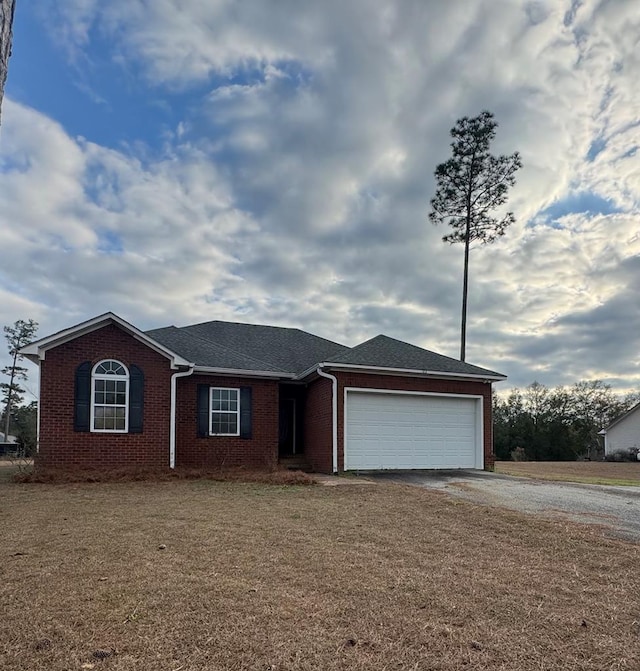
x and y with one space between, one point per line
224 411
109 397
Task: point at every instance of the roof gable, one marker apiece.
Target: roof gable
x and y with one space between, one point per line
36 351
385 352
620 419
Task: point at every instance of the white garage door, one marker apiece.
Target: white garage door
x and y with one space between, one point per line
405 431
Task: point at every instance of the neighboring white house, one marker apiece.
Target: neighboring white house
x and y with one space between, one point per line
624 433
8 446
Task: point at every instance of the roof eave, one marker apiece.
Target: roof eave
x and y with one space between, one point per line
241 372
388 370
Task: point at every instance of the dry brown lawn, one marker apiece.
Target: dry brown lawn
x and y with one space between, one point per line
593 472
9 467
193 575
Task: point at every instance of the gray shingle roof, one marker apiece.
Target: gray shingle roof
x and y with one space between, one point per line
287 349
387 352
207 353
252 347
237 346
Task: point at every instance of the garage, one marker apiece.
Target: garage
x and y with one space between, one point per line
410 430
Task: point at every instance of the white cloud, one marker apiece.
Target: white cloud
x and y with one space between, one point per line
91 222
296 190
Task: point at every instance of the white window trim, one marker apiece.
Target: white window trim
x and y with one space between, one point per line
102 376
226 412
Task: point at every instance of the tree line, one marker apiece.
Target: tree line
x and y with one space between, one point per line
562 423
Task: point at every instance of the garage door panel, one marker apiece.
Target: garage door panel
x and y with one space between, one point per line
406 431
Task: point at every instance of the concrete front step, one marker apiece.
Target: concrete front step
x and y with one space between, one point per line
295 462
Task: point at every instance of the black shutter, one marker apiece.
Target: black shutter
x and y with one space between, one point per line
203 410
82 397
245 412
136 399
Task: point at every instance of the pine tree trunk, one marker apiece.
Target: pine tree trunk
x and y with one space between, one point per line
465 288
7 8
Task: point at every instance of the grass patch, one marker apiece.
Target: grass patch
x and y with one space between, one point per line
197 574
586 472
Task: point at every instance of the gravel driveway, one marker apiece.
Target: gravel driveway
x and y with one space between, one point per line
616 509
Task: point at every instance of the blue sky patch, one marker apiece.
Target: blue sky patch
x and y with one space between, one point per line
109 242
598 145
582 202
96 98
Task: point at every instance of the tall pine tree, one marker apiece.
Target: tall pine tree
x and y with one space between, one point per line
469 186
18 335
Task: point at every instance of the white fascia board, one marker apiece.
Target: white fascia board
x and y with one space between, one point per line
309 371
36 351
382 370
206 370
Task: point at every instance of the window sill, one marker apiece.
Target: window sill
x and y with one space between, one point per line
109 431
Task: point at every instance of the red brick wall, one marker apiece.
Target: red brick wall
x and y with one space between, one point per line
318 445
259 451
61 446
416 384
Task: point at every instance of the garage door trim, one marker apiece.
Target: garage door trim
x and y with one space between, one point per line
479 451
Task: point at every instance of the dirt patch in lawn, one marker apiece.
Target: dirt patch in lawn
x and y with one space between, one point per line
590 472
196 575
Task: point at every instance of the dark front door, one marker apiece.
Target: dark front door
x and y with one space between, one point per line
287 442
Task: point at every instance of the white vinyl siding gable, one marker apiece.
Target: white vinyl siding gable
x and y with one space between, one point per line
623 435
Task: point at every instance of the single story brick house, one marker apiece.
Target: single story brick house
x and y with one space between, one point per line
221 394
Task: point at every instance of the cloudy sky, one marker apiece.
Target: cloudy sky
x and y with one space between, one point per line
272 162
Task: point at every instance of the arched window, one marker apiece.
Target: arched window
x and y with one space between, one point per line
110 397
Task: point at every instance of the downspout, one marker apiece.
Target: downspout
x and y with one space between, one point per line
38 408
334 419
172 428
